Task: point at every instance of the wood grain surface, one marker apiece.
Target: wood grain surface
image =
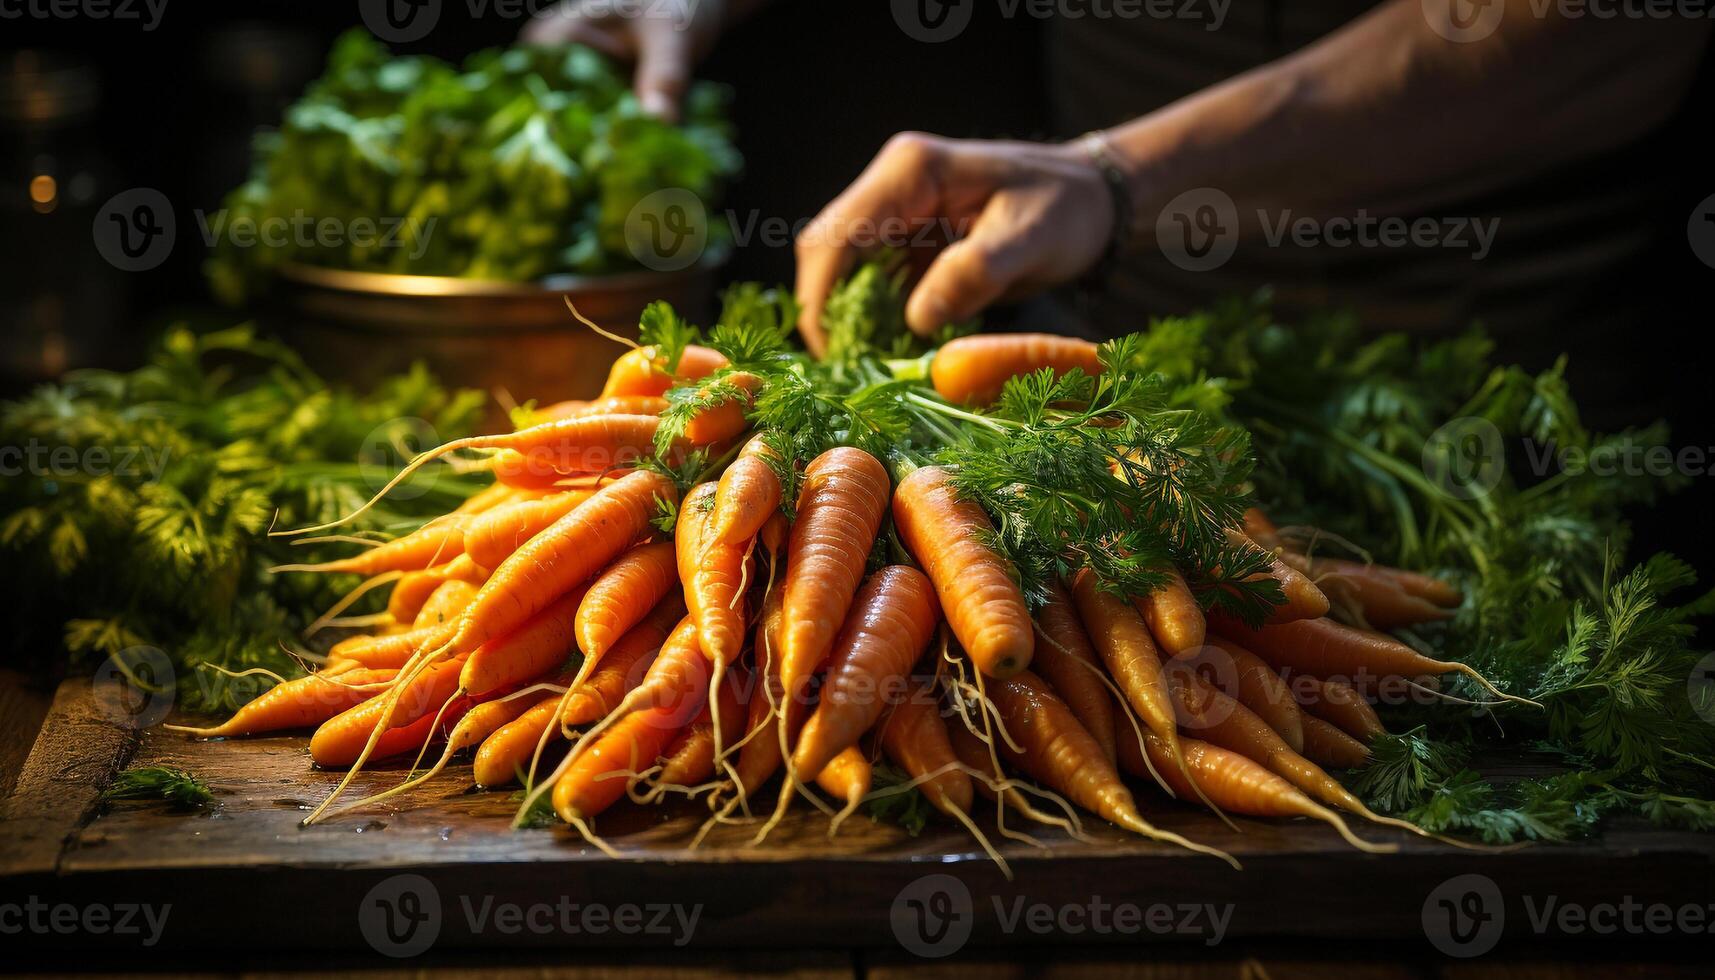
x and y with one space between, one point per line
244 868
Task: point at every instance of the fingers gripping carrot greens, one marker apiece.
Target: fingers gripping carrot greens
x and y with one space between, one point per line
1060 540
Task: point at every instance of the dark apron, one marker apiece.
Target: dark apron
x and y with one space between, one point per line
1570 267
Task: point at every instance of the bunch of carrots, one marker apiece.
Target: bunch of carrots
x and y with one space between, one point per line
619 617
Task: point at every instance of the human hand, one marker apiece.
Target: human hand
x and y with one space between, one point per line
663 38
984 221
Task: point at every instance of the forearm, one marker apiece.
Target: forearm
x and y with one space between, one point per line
1388 115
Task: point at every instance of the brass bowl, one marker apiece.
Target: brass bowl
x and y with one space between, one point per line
503 337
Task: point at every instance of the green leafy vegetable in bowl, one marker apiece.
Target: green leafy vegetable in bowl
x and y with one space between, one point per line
523 163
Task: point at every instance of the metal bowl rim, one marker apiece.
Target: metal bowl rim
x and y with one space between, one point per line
405 284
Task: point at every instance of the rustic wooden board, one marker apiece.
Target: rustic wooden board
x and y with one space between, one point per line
245 868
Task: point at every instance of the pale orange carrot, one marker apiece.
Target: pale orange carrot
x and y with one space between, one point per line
391 650
748 492
914 736
1066 660
891 621
846 778
1259 688
538 647
1324 648
982 603
640 371
1328 746
1174 617
839 514
712 578
1337 703
974 369
298 703
494 536
414 588
1056 751
445 604
623 595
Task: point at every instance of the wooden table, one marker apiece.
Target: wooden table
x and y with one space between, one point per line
249 889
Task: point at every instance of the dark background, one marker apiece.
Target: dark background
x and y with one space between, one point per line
819 85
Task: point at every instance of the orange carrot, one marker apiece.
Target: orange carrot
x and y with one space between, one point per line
507 750
1123 640
565 555
839 514
441 540
891 621
1303 599
488 497
538 647
341 739
640 372
914 735
1056 751
1259 688
1260 529
299 703
623 595
623 667
1380 593
444 604
1328 746
391 650
1174 617
760 756
749 491
1220 720
712 577
1239 785
590 784
725 420
847 778
1327 649
1066 660
689 759
494 536
1338 704
982 603
415 588
974 369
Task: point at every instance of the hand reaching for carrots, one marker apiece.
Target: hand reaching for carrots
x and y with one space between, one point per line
1007 219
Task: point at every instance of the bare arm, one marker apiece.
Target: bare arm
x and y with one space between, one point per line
1388 114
